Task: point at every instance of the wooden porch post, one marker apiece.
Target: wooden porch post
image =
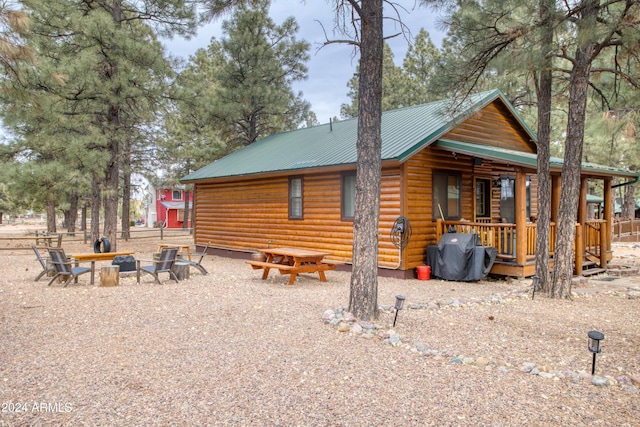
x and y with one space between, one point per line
580 227
582 202
608 211
556 189
579 249
521 217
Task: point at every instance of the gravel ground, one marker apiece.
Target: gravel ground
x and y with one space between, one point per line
231 349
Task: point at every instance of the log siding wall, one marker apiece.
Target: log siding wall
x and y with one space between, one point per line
495 126
250 215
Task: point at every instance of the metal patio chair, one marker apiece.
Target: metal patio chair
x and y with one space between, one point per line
64 267
163 265
46 268
200 256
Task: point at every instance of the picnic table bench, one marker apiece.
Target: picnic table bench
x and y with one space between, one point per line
293 261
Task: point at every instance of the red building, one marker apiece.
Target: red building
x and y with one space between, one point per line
169 208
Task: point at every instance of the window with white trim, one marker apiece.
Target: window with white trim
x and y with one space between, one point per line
295 198
348 209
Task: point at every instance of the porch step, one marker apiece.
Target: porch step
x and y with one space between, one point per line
593 258
592 271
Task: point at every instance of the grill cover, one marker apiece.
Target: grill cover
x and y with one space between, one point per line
459 256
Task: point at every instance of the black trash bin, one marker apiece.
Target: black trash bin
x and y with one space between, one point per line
460 256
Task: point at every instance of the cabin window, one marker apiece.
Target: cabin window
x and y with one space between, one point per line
508 199
295 198
446 195
177 195
348 196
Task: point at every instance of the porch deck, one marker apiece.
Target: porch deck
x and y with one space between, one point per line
516 254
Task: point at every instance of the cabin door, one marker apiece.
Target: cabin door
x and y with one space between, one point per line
483 199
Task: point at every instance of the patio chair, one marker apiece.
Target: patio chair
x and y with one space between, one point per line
163 265
64 267
200 256
46 269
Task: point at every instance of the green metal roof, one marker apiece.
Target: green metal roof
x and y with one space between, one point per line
404 132
592 198
525 159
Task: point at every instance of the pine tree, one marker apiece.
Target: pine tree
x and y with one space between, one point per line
102 82
419 68
14 24
402 86
253 96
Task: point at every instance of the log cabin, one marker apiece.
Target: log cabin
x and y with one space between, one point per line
471 167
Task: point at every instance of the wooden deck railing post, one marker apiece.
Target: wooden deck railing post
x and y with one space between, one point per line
579 249
604 233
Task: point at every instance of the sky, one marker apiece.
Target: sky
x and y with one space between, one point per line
331 67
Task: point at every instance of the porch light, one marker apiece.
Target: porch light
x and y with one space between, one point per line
594 346
398 307
534 283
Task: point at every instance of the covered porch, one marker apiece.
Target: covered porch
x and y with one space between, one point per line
515 237
516 242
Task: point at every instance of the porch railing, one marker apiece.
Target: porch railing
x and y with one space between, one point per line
502 236
592 236
626 230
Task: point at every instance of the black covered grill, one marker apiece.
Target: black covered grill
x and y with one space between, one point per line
461 257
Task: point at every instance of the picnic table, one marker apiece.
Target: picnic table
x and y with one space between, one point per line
93 257
293 261
181 248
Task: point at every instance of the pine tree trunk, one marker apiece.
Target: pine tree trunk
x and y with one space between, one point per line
83 219
96 198
363 298
544 93
111 194
185 223
567 212
629 205
51 214
112 170
73 214
65 221
126 197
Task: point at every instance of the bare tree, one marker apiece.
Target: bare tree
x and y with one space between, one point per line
363 297
366 19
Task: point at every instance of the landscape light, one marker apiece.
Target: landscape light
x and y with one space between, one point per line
594 346
398 307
